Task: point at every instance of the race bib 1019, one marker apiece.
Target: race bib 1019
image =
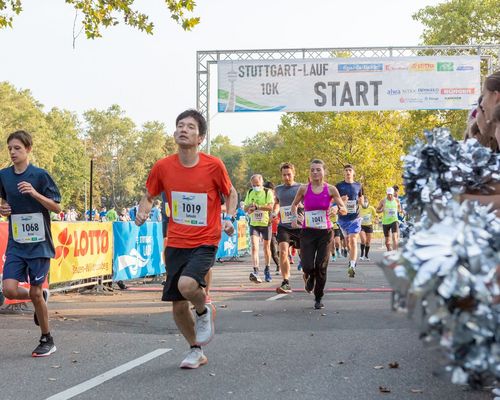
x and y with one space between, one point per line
189 208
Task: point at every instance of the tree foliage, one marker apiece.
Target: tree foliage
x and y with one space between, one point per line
460 22
98 14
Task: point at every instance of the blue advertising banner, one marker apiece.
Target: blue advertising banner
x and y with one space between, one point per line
138 251
228 245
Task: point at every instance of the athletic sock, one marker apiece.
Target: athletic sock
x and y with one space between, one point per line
195 346
367 249
256 270
352 263
203 313
362 250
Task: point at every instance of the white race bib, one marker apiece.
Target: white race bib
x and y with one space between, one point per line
258 216
189 208
28 228
316 219
392 212
286 214
367 219
351 206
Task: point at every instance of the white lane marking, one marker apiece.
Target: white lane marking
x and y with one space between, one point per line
106 376
278 296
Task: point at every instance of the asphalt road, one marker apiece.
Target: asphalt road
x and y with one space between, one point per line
265 347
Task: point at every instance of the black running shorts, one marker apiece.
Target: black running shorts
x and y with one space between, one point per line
194 263
394 227
289 235
367 228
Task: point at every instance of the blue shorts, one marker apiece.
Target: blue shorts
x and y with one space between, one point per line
20 269
350 227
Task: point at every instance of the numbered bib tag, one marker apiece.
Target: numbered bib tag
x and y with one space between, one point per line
316 219
351 206
391 212
286 214
28 228
189 208
367 219
258 216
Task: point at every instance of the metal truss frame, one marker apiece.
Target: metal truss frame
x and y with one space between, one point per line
490 57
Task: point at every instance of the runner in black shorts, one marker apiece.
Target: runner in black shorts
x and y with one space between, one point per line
287 236
368 216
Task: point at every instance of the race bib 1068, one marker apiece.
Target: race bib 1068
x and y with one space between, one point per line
189 208
28 228
316 219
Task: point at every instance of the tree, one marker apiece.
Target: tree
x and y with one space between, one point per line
99 14
460 22
234 159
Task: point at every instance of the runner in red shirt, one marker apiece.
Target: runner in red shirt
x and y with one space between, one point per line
193 183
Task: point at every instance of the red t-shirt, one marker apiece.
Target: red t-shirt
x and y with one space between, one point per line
194 196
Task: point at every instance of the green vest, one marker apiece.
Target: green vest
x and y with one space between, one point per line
390 212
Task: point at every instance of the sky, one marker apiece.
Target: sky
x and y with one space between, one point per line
154 77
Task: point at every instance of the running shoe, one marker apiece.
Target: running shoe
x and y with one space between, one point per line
318 305
367 258
345 253
337 253
351 271
277 271
334 258
309 283
362 258
299 266
284 288
205 328
267 275
46 295
194 359
254 277
45 348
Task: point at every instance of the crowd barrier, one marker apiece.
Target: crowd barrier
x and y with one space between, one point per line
89 250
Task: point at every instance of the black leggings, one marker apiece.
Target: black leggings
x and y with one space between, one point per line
274 250
315 245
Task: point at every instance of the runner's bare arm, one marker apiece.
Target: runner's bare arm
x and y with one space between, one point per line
230 202
296 201
5 209
334 193
276 207
380 207
145 206
49 204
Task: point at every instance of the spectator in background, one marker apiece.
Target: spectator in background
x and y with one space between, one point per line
124 217
240 211
102 214
132 212
71 215
155 214
112 215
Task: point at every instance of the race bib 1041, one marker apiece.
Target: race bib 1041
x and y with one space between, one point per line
316 219
28 228
189 208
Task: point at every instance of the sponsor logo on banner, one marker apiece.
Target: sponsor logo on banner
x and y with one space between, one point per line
396 67
393 92
445 67
428 90
453 98
411 100
133 261
422 67
465 67
360 67
83 250
458 91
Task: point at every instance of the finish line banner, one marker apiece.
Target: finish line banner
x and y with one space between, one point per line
349 84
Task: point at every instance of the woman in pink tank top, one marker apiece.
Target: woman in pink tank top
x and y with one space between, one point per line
316 236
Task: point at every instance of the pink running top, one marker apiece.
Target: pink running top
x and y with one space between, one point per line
316 209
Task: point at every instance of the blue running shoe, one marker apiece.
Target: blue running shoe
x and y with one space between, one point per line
267 275
299 266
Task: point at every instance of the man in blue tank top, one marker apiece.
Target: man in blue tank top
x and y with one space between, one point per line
352 194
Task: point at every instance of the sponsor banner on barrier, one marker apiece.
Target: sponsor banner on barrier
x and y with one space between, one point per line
83 250
228 245
138 250
243 243
349 84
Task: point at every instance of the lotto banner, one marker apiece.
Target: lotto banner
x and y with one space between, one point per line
228 245
242 235
83 250
349 84
138 250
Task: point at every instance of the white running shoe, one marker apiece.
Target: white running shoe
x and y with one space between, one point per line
205 328
254 277
194 359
